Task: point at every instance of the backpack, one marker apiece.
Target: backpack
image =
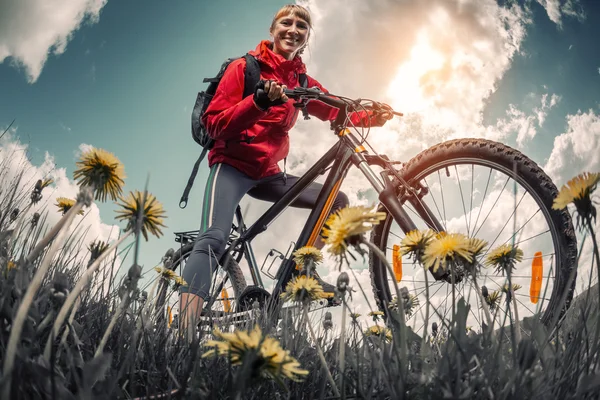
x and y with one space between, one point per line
199 132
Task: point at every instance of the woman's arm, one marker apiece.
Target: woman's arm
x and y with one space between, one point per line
228 115
326 112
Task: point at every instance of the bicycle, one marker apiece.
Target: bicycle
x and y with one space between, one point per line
413 196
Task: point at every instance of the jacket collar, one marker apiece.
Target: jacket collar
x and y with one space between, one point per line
264 54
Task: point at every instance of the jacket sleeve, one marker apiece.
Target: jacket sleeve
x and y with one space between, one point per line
326 112
228 115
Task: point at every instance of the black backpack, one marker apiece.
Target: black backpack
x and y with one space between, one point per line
199 133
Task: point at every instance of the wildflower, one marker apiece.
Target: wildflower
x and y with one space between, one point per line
152 214
101 170
303 288
380 331
515 287
415 242
11 265
492 300
166 273
327 322
376 315
179 281
64 205
96 248
446 248
578 191
504 257
345 227
306 254
36 194
410 303
14 214
355 317
268 358
342 283
35 219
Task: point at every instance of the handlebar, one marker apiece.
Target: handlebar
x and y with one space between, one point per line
315 93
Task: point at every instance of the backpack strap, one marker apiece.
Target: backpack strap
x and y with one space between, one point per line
252 75
190 183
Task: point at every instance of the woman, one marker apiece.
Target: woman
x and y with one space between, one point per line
251 137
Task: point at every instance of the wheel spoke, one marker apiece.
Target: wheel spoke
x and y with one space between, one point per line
462 200
494 205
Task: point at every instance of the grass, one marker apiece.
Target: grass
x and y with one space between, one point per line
113 345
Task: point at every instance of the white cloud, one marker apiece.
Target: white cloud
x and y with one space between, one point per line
14 161
32 29
556 9
577 149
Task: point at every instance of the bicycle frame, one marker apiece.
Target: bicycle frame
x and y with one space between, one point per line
341 157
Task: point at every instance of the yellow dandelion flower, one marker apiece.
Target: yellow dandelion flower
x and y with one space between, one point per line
303 288
379 331
166 273
268 358
307 253
152 212
46 182
492 300
102 171
375 313
445 248
345 226
504 257
476 247
515 287
410 303
578 191
415 242
64 205
355 316
179 281
11 265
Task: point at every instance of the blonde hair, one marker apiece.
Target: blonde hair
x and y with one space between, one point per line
297 11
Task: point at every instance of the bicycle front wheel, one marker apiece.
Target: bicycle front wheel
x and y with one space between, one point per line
490 191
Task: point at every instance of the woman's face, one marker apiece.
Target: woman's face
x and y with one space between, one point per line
290 33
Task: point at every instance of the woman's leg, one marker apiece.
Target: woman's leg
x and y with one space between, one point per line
224 189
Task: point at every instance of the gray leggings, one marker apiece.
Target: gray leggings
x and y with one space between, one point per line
224 189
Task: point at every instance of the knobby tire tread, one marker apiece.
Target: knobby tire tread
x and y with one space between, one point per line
527 169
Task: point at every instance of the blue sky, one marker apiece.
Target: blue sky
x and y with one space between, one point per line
129 74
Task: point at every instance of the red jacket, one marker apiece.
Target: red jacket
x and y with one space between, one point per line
230 119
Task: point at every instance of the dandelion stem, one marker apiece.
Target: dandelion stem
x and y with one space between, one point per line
343 345
320 352
111 325
87 275
34 285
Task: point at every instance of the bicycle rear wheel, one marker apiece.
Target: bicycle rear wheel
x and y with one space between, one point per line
227 284
471 189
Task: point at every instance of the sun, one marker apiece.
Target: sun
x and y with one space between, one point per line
406 90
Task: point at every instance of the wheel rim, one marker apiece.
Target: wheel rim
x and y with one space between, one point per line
484 213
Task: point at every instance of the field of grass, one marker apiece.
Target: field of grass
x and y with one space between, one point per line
70 330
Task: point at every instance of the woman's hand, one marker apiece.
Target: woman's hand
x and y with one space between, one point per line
269 93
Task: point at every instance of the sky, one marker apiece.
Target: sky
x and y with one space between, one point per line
123 76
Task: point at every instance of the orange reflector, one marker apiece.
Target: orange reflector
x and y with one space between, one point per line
397 262
170 316
537 270
226 302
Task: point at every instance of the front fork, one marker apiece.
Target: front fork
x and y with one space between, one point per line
388 195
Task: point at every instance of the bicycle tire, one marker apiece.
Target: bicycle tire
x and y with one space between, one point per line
234 272
493 155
